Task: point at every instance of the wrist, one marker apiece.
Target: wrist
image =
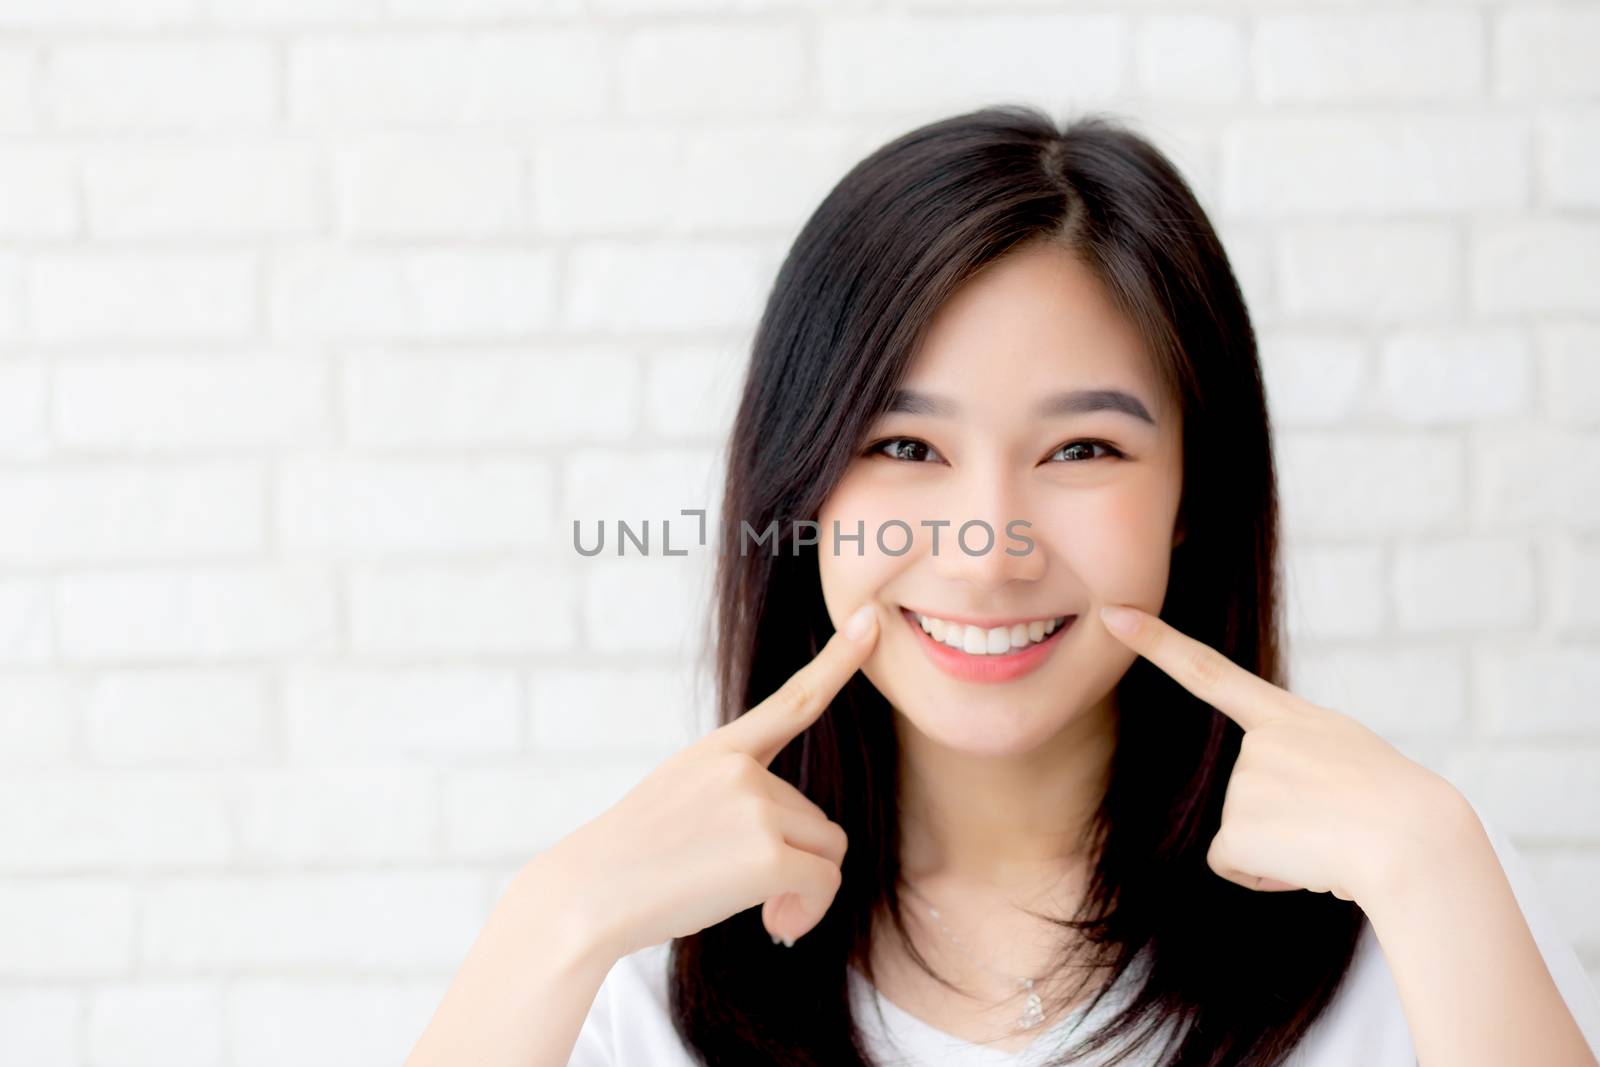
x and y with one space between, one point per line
1440 841
585 930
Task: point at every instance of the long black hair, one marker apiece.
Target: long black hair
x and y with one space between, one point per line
1234 976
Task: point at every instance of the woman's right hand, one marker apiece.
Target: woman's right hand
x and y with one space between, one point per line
711 831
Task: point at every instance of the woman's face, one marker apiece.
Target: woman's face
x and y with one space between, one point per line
976 439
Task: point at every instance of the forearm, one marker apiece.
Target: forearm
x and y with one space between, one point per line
1473 985
527 984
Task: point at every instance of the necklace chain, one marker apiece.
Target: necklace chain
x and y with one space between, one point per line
1033 1008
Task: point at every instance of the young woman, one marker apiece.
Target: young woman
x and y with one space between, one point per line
1008 771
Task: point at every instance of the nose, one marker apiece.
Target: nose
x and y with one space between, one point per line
1007 551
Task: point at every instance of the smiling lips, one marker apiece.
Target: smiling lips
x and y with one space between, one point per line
987 654
990 640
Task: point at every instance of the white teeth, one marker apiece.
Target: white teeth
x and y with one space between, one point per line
995 641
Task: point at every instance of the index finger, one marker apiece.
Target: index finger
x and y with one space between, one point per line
1245 697
762 731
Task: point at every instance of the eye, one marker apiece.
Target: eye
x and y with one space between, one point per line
1087 443
905 450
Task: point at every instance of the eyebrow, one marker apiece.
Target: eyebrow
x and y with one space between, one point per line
1071 402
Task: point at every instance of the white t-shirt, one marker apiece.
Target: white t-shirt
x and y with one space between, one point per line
628 1024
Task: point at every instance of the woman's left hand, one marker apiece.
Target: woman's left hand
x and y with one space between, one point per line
1316 800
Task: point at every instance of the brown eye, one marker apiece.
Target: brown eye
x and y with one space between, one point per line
902 449
1077 447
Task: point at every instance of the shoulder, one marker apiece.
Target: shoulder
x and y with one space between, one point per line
630 1023
1365 1023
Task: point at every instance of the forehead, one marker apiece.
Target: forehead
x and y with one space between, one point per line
1037 319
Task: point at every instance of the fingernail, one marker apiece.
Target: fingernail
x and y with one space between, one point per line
858 624
1122 620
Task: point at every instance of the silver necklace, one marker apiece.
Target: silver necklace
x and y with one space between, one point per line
1033 1008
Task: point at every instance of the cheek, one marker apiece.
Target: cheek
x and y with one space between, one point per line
859 568
1117 542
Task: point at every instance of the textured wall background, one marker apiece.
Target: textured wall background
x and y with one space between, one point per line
321 319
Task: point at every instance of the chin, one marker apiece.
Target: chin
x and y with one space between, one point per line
981 725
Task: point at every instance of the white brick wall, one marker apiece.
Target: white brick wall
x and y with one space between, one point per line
320 321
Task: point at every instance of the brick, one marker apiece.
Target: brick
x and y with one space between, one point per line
11 303
331 292
672 286
1386 56
673 594
478 610
692 391
611 484
421 715
160 1024
370 507
1382 484
1313 378
1339 166
491 398
513 814
1414 691
144 295
161 403
601 710
432 186
295 12
1566 493
1546 54
451 78
24 410
1540 795
198 614
1571 351
1464 583
19 80
607 179
1543 266
1335 591
38 193
1539 690
148 86
755 178
40 716
40 1027
896 63
1569 161
240 189
96 14
343 815
129 512
179 717
1572 584
371 1022
90 821
331 921
677 71
26 621
60 928
1378 273
1191 57
1442 376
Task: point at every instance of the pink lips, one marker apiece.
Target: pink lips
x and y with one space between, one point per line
1000 668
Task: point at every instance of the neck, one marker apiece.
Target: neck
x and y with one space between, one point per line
1009 824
